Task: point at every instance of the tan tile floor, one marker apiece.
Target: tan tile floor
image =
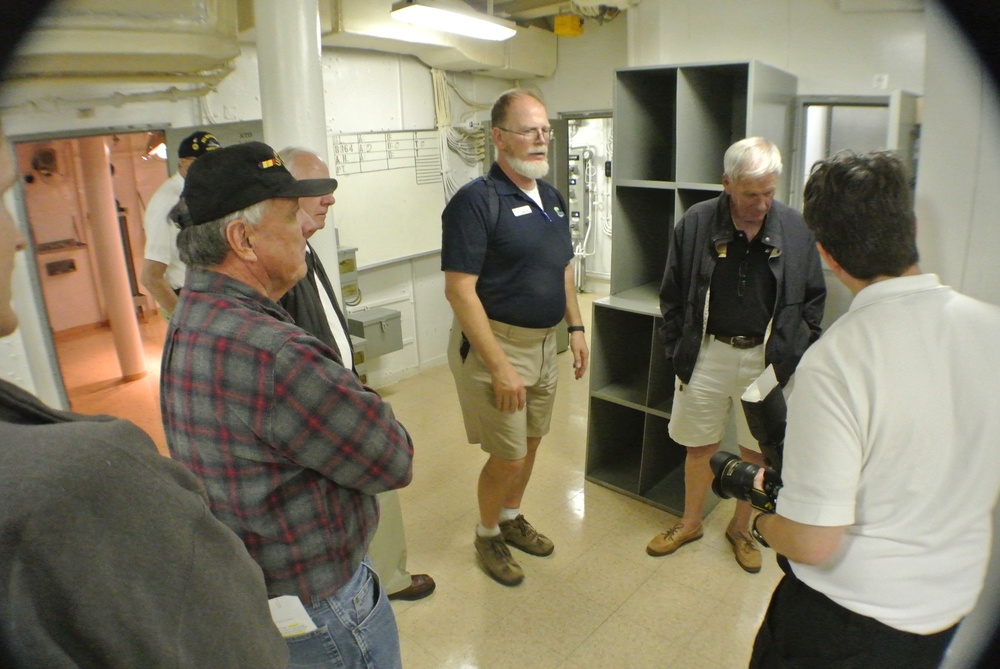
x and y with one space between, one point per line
92 376
599 601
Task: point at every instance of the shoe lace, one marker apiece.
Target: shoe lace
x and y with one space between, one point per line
744 543
499 549
669 534
525 528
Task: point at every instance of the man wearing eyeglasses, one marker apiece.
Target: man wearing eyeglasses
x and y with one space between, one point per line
506 253
743 288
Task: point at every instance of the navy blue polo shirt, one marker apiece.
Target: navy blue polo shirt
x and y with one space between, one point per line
520 258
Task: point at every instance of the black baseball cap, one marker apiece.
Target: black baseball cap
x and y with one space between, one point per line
197 144
235 177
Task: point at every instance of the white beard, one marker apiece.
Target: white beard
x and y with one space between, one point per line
529 168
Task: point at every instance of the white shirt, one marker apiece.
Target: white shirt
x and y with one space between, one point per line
336 327
893 430
534 195
161 232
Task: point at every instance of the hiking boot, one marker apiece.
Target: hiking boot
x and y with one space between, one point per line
746 552
520 534
496 559
667 542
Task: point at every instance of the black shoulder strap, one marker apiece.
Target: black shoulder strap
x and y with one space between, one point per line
492 203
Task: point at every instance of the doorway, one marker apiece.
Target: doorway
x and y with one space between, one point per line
68 264
826 124
588 196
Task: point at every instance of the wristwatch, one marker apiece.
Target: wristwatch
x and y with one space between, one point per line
575 328
755 533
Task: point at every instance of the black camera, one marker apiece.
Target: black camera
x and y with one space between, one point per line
735 477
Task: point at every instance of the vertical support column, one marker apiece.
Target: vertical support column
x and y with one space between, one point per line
111 270
289 65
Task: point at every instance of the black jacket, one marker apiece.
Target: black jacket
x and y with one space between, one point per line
795 262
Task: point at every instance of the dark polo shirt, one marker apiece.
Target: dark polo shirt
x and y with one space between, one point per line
743 288
520 257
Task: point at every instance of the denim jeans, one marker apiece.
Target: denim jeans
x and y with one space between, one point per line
356 628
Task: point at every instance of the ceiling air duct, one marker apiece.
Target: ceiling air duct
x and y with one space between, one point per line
368 24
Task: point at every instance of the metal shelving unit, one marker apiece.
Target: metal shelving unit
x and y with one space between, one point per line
673 125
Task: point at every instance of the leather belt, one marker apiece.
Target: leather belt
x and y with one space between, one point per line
739 341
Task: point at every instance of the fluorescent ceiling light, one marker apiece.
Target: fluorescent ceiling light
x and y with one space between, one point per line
455 18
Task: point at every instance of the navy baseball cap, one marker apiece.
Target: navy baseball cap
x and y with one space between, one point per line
197 144
235 177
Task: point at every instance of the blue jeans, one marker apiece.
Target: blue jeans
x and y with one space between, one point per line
356 628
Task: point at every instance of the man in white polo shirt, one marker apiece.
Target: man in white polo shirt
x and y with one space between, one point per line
890 457
162 269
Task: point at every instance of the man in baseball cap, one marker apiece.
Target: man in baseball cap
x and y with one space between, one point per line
243 175
162 269
197 144
289 444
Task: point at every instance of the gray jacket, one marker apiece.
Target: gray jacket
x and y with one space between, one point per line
110 556
801 289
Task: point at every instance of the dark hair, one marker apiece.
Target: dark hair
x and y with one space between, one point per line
860 208
498 116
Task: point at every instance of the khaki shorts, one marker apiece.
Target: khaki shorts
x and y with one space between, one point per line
701 408
532 352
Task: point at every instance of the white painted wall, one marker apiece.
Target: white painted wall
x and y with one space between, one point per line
831 52
585 74
957 201
957 197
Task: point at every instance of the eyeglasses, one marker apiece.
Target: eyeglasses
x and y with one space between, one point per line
532 133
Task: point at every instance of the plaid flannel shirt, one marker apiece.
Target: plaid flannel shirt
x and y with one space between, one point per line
289 444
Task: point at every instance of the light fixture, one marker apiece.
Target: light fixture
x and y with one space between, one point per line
156 146
453 17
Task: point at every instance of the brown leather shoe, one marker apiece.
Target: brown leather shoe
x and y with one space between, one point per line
496 559
421 585
667 542
747 555
519 533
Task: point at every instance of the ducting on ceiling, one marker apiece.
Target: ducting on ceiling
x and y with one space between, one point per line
190 40
197 40
367 24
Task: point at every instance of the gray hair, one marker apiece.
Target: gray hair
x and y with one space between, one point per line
751 158
290 154
206 245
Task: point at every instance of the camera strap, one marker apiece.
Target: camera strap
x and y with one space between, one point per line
760 500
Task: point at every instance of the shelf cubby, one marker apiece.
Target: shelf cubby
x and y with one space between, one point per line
639 251
673 125
648 98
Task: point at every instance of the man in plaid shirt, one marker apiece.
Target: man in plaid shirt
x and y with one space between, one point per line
289 444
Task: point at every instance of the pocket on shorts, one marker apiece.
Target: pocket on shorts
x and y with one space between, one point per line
463 348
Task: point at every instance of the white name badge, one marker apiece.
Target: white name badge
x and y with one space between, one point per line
290 616
522 210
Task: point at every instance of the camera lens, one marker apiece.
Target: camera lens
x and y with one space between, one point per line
733 476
